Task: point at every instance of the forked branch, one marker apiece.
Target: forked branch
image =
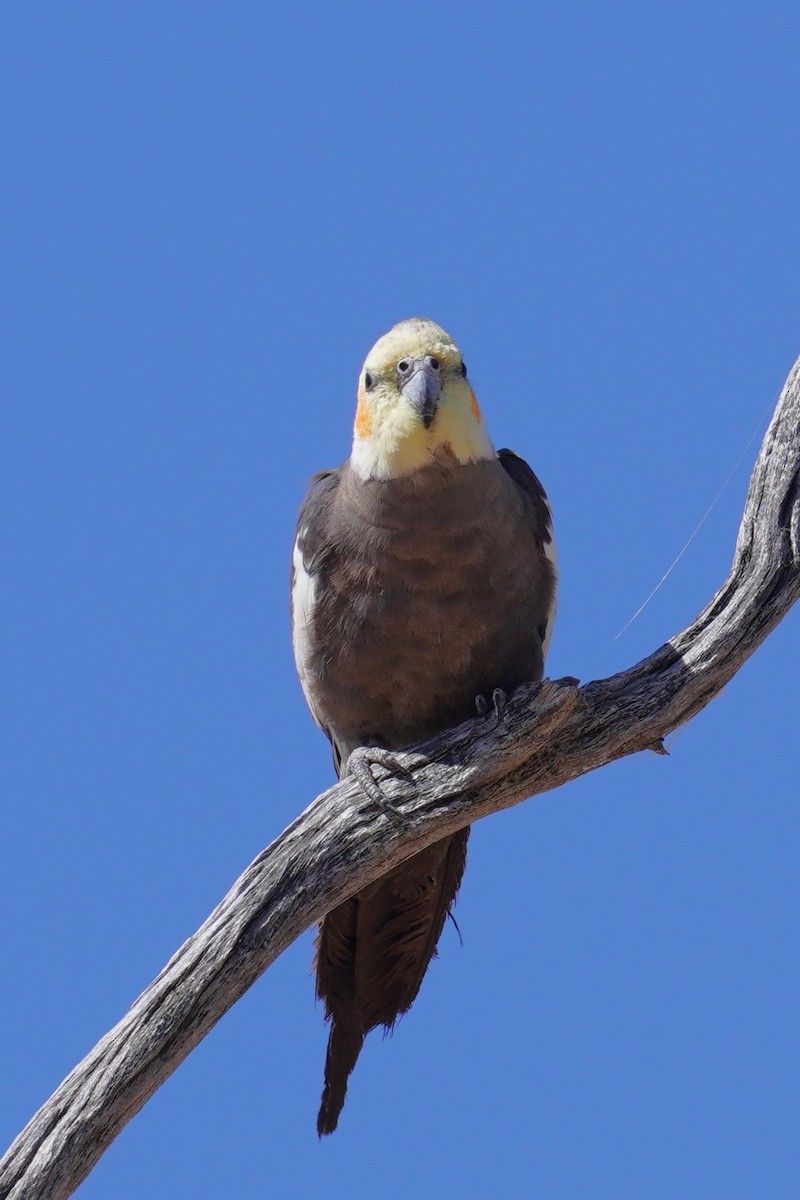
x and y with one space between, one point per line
548 734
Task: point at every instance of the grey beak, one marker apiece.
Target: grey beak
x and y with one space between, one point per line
421 390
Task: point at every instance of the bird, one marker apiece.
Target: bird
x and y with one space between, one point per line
423 582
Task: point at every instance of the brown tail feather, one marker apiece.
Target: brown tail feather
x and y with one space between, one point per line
373 951
344 1047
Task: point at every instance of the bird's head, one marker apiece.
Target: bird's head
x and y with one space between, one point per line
415 404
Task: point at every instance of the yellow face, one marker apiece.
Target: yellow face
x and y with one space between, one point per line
415 404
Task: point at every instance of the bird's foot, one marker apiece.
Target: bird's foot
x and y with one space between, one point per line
360 764
498 702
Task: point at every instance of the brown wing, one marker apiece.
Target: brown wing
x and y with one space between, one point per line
313 548
541 519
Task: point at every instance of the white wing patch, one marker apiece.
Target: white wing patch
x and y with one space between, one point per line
304 590
552 557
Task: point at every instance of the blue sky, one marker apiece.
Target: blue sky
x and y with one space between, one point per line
210 212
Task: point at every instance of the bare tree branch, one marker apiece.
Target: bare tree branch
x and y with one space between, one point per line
548 734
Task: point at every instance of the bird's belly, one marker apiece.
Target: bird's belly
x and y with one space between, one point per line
413 648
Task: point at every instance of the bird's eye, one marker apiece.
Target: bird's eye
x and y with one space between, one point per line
403 365
464 369
434 362
368 381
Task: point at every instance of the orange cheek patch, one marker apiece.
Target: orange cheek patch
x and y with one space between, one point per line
476 409
363 419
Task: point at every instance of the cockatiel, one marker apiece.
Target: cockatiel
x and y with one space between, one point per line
423 581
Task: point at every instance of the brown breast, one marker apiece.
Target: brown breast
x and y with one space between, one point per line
435 594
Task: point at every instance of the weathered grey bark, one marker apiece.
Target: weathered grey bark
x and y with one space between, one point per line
548 735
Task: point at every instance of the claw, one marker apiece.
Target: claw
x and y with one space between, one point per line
360 764
499 702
